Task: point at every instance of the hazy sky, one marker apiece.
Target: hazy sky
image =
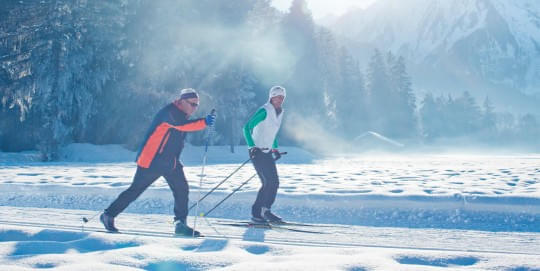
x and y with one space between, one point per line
322 8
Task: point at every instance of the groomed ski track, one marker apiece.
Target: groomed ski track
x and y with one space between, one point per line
340 236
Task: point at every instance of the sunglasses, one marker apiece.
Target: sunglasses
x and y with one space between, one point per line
192 104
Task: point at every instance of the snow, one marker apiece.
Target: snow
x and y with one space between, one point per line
375 212
419 27
437 33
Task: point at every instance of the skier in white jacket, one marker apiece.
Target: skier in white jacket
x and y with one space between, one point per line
260 134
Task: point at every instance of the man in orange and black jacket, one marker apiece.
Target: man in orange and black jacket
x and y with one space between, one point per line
159 156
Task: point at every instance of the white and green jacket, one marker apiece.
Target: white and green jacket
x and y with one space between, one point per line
261 129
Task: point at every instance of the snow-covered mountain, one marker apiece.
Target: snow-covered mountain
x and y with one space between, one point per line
454 44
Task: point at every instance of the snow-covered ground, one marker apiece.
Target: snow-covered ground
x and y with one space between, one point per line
377 212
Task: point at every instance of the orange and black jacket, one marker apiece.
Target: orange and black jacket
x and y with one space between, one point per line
164 140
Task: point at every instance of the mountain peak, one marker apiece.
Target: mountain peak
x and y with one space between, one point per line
457 44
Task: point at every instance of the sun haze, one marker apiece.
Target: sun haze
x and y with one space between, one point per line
323 8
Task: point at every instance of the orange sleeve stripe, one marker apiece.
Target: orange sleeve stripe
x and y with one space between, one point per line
151 146
190 127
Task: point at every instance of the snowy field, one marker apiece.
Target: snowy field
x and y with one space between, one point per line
373 212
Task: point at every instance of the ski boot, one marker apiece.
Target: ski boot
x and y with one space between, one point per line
108 222
270 217
183 229
258 220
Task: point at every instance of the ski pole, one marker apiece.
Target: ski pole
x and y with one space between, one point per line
86 220
213 113
234 191
228 196
218 185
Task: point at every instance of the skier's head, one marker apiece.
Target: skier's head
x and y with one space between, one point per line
277 96
277 91
188 93
188 102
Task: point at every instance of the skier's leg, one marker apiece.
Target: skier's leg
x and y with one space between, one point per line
143 178
271 185
258 164
272 182
180 189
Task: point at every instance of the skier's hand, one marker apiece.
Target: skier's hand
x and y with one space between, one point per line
253 151
276 154
210 119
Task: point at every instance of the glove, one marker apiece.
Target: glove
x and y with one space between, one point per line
253 152
276 154
210 119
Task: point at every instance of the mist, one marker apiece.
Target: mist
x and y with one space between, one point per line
105 69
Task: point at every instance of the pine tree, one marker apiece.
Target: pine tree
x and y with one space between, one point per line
330 74
403 99
299 34
379 94
467 115
430 115
351 96
234 101
489 119
528 129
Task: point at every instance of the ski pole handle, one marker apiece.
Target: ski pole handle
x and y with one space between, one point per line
279 156
213 113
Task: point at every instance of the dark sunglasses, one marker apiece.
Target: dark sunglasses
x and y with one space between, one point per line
192 104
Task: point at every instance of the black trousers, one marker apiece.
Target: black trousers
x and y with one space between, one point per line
266 169
143 179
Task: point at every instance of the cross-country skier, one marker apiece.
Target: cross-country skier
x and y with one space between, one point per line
159 156
260 134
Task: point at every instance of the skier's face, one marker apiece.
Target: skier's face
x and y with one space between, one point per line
277 101
189 106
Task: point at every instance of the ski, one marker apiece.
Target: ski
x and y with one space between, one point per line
88 229
286 223
283 223
150 234
246 224
142 233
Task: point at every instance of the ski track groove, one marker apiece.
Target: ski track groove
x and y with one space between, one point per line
278 241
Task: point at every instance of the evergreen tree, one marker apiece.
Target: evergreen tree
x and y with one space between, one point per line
379 94
262 20
235 102
466 115
430 114
489 119
402 97
528 129
330 74
299 34
351 96
299 29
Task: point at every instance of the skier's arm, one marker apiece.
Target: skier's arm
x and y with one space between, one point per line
189 126
259 116
275 144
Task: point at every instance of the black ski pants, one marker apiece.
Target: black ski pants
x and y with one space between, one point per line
265 166
144 177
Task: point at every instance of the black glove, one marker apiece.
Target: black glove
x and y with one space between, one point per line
253 152
276 154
